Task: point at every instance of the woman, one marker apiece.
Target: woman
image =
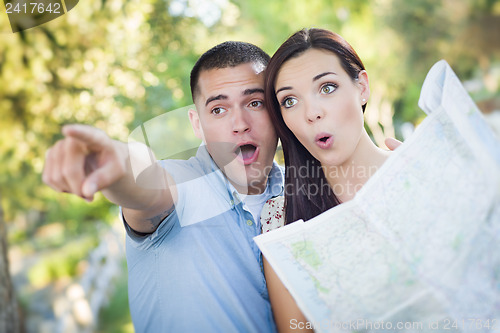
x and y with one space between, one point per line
316 91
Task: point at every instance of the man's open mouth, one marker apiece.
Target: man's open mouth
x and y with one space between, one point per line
247 153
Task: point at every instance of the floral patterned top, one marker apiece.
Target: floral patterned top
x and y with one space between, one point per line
272 215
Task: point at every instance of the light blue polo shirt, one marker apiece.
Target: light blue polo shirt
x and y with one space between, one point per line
201 271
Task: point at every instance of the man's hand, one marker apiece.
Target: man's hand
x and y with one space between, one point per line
85 161
392 143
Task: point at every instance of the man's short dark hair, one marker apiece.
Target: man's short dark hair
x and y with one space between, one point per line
227 54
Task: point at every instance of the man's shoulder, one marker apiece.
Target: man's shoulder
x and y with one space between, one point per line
199 164
276 179
278 167
183 170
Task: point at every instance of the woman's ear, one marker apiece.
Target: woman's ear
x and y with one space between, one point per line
364 86
194 118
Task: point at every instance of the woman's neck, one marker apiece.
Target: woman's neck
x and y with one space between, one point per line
347 179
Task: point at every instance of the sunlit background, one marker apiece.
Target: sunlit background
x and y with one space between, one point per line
117 64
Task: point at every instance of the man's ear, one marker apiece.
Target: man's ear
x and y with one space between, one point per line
363 85
194 118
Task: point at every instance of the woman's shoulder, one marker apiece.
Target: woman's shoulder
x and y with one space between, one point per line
272 215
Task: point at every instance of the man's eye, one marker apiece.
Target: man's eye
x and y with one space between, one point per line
256 104
289 102
328 88
218 111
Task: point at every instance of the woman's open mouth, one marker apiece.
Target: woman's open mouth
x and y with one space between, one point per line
247 153
324 140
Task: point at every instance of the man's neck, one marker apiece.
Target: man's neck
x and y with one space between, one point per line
253 189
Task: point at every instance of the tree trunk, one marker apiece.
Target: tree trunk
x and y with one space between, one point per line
9 316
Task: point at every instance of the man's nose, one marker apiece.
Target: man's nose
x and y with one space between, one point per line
241 122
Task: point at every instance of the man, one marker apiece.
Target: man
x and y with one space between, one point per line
192 263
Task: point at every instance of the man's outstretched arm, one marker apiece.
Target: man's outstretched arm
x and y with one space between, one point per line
87 160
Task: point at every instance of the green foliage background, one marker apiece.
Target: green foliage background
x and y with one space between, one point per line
116 64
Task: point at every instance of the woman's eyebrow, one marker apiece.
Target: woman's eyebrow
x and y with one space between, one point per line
319 76
281 89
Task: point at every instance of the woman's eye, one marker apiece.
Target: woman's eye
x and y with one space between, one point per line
289 102
256 104
328 88
218 111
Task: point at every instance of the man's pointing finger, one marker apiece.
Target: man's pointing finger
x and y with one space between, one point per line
93 137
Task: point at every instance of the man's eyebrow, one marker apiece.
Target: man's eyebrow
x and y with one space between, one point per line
319 76
253 91
215 98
